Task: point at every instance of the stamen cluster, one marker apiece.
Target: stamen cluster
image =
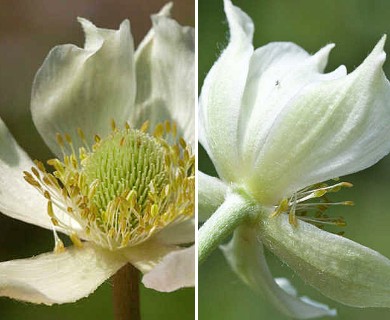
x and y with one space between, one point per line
298 207
124 189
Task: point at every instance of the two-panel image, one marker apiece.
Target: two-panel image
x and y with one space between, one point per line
194 159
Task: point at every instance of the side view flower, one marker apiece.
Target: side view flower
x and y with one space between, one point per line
277 129
123 193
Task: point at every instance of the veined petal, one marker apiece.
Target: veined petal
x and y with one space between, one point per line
175 271
85 88
245 255
211 194
221 96
329 130
278 73
165 63
58 277
18 199
340 268
180 232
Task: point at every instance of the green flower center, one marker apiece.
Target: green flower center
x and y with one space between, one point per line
127 160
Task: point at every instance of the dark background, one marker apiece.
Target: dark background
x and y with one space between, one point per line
355 26
28 30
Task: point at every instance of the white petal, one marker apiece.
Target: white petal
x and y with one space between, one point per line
340 268
58 277
85 88
148 254
278 72
221 96
165 63
211 194
180 232
330 129
245 255
175 271
18 199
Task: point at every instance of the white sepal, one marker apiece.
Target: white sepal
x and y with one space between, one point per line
340 268
329 129
165 75
178 232
18 199
245 255
278 73
58 277
148 254
221 96
175 271
211 194
85 88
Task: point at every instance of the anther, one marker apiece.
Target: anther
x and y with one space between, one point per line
50 210
60 140
145 126
76 240
68 138
97 138
159 130
182 143
113 125
81 134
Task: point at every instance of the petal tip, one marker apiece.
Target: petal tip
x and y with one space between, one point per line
85 23
125 25
164 13
383 39
322 55
379 47
238 20
329 46
166 10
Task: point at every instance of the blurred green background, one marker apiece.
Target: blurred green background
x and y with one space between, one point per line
355 26
28 30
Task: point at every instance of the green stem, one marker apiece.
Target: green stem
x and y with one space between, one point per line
126 293
222 223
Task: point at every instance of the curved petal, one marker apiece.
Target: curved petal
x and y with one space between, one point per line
18 199
245 255
340 268
180 232
211 194
165 63
175 271
330 129
222 91
278 72
58 277
85 88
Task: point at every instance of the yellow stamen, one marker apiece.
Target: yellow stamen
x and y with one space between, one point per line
298 206
123 189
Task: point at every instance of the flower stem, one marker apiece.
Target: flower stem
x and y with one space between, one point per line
126 293
222 223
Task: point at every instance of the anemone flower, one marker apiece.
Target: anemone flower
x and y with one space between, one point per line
123 194
276 128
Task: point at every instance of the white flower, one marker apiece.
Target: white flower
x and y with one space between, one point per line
275 127
110 219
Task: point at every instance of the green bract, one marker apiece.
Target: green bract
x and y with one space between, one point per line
276 127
